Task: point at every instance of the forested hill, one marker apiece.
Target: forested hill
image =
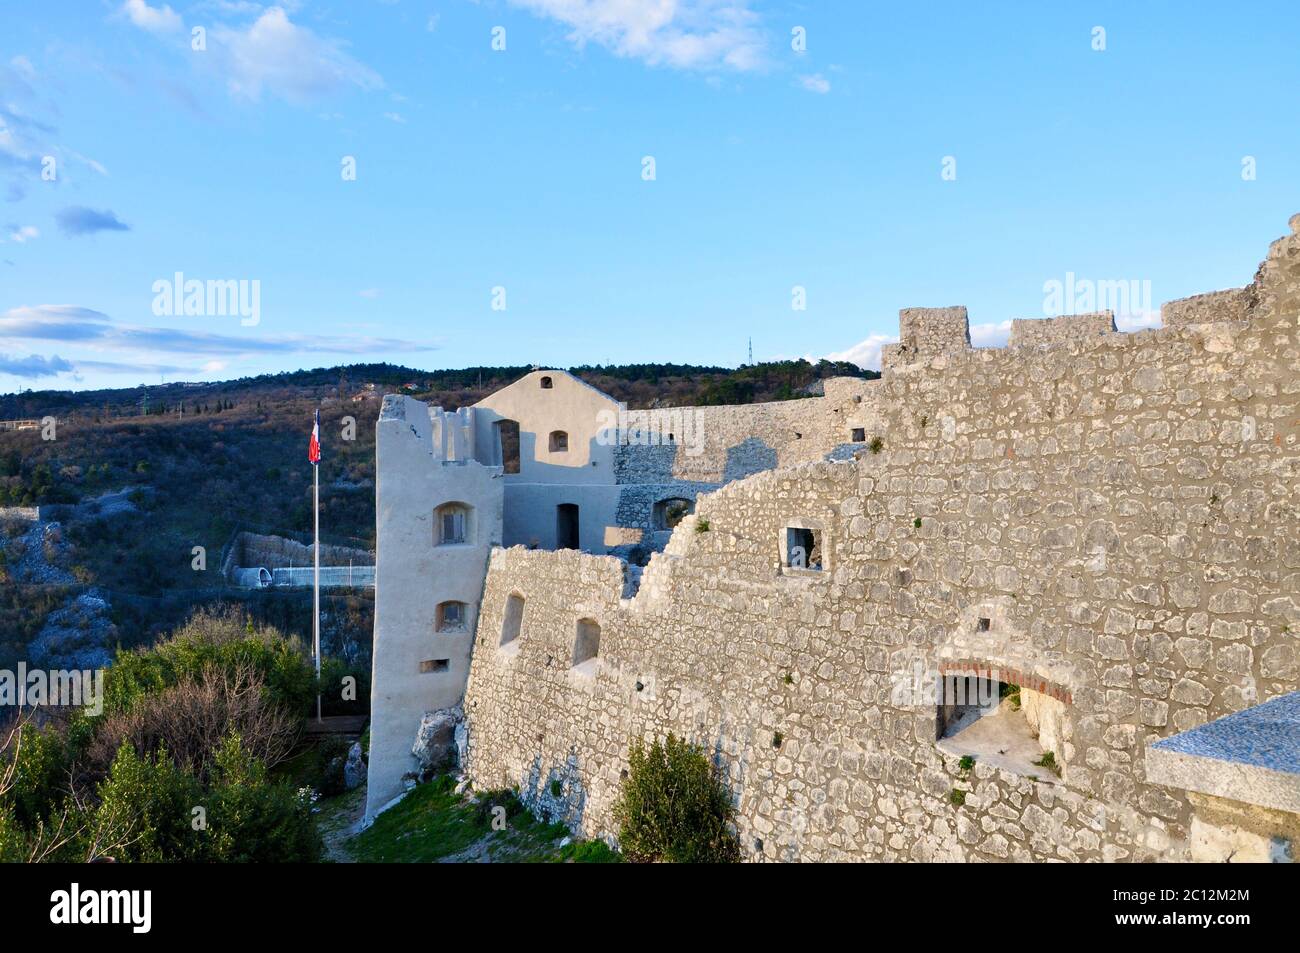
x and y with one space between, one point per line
640 385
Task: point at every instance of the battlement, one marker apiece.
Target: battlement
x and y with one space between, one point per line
1049 332
926 333
1230 305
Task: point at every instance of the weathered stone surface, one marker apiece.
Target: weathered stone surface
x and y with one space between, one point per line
354 768
1097 513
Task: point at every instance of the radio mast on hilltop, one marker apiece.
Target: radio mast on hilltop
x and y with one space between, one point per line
751 352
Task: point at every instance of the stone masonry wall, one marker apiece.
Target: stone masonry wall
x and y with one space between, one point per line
1123 509
1230 305
1038 332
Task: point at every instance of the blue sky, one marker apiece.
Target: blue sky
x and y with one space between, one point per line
522 169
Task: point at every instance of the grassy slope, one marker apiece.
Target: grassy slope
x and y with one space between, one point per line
433 823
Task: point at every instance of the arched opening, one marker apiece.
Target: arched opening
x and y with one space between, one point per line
668 513
451 524
514 619
508 444
1003 717
452 616
586 647
547 383
558 441
566 526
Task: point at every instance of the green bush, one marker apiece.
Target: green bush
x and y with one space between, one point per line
674 806
256 820
147 807
145 810
40 775
224 640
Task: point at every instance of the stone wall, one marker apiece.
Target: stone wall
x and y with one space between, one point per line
1053 332
30 514
1230 305
277 552
1121 510
924 333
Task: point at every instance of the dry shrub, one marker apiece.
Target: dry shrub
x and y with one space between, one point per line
193 717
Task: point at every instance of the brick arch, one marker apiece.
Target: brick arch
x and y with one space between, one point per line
985 640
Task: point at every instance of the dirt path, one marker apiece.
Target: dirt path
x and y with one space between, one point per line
338 822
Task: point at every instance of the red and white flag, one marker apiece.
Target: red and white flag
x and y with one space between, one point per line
313 448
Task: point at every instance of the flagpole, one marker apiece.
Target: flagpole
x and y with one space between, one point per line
315 617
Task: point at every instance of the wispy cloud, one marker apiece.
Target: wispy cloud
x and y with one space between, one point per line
34 366
71 323
815 83
80 220
276 56
369 292
684 34
395 117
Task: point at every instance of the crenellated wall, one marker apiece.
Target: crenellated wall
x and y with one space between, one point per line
1112 518
1054 332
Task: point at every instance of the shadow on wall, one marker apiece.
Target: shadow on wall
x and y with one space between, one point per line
634 463
734 774
748 457
558 797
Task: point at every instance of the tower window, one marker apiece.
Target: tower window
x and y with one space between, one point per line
452 524
452 616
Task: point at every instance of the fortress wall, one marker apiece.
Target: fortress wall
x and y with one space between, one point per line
1052 332
719 444
1123 509
1230 305
278 552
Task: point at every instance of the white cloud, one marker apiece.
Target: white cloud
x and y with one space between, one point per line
865 353
1140 321
816 83
154 19
89 162
685 34
995 334
275 55
395 117
23 233
369 292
